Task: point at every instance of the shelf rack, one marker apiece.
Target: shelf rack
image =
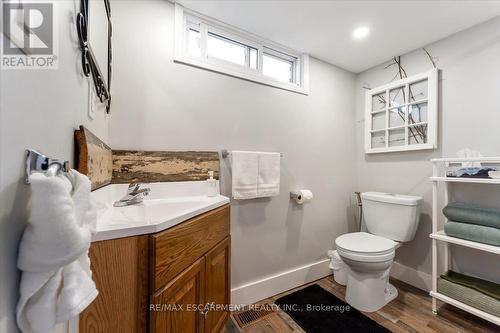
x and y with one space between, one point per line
439 235
466 180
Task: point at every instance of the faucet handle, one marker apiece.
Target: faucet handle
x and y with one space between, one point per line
136 188
135 194
133 187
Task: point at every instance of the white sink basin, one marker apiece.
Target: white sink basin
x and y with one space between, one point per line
168 204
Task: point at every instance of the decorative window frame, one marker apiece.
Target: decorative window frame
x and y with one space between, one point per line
432 113
185 17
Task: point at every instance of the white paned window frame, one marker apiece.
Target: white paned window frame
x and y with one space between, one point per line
432 114
185 19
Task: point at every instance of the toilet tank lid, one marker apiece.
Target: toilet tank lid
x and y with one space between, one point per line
398 199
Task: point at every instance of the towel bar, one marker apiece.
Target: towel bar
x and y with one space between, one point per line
37 162
225 153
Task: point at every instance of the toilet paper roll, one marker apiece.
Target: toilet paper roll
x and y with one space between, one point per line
301 196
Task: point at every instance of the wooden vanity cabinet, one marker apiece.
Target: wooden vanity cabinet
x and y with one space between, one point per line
217 285
204 284
177 280
187 289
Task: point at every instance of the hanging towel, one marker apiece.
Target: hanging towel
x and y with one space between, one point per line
268 184
255 174
472 214
245 167
56 282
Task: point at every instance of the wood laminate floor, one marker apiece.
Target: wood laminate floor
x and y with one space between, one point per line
410 312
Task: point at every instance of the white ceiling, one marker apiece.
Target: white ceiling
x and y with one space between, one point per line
323 28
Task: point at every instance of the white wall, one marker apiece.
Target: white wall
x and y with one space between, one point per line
167 106
469 117
39 109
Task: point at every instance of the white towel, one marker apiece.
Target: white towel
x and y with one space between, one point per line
269 175
255 174
469 153
56 282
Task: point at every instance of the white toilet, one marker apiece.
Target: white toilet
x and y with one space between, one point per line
389 219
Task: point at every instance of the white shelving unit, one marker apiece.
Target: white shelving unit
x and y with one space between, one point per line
440 236
466 180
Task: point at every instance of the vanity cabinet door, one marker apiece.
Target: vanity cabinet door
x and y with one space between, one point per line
171 309
217 285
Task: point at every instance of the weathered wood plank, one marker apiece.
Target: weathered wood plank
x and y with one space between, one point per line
163 166
93 158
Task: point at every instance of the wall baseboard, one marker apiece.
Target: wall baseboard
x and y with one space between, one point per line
264 288
418 279
261 289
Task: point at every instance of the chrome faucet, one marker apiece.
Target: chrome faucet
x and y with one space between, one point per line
135 194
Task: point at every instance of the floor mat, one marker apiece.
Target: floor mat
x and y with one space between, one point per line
318 311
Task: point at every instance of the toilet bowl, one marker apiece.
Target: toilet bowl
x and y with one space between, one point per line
389 219
369 258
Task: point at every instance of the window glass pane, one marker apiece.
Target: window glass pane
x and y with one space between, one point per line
225 49
378 102
378 139
279 69
418 113
397 116
418 91
397 137
417 134
253 58
397 97
378 120
193 42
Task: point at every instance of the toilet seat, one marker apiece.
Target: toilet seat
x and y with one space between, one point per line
365 247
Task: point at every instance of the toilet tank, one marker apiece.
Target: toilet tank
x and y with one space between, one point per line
394 216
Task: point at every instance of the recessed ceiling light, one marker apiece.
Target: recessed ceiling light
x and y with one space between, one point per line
360 32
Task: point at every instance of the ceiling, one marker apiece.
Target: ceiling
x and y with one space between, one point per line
324 28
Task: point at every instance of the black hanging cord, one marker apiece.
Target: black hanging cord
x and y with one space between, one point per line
110 52
89 64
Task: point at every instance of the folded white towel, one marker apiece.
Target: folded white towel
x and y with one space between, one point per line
255 174
56 282
269 175
245 166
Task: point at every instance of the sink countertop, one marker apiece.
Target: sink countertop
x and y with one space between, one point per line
167 205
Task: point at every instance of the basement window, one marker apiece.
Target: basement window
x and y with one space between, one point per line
278 65
209 44
219 47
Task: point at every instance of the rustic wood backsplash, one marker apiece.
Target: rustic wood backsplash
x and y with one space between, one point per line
163 166
104 166
93 158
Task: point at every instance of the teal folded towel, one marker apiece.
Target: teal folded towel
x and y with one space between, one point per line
473 232
473 214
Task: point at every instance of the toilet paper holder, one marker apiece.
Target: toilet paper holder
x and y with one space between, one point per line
301 196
